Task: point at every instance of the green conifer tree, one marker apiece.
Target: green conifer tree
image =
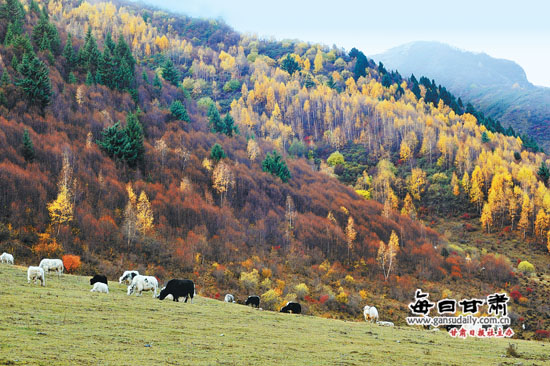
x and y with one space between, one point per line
170 73
35 81
28 147
178 111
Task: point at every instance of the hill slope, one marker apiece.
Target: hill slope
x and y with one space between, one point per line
193 181
498 87
65 324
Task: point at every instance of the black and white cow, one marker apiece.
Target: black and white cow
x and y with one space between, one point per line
128 276
292 307
98 278
253 300
178 288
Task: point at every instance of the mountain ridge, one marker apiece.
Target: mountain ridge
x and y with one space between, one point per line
497 86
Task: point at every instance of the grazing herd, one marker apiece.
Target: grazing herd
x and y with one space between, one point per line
174 289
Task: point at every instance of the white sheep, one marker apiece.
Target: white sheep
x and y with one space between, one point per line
52 265
6 258
385 324
35 274
370 313
100 287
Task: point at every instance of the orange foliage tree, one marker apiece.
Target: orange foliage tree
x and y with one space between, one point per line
71 262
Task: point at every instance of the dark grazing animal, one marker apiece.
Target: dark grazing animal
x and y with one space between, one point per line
253 300
292 307
178 288
98 278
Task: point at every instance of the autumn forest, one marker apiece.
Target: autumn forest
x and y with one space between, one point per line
135 138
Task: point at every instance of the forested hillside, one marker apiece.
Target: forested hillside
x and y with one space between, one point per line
136 138
499 87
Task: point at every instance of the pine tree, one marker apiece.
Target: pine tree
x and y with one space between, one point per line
35 81
290 65
89 54
217 153
90 78
216 123
28 147
274 164
229 125
145 77
13 11
178 111
69 54
157 84
170 73
71 79
108 43
113 141
133 149
108 69
543 173
45 35
125 75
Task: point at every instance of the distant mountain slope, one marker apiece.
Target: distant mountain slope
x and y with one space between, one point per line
499 87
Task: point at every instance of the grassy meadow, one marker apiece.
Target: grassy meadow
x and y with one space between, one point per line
65 324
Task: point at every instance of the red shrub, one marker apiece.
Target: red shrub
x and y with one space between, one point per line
541 333
323 299
469 227
310 299
71 262
528 290
506 229
515 295
465 216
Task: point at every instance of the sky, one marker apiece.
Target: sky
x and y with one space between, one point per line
513 30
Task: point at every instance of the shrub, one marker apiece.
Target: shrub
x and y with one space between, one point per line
497 268
335 158
526 267
349 280
515 295
270 299
342 297
301 290
250 280
323 299
71 262
232 85
541 333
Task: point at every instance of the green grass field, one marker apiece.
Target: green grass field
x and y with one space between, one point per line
65 324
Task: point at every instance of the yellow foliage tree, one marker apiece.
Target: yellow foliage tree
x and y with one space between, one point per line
222 179
387 253
487 217
350 235
252 149
61 209
523 223
318 62
408 207
417 183
144 214
476 187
